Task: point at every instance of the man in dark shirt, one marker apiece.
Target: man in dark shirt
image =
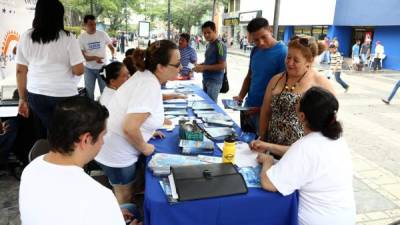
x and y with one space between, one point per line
214 63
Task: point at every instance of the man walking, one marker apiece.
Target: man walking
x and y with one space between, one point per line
215 61
93 45
267 59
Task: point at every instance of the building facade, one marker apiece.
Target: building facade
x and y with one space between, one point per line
348 21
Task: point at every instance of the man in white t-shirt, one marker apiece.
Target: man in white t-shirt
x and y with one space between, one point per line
54 188
93 45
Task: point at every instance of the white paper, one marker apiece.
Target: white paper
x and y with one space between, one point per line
173 187
8 111
244 157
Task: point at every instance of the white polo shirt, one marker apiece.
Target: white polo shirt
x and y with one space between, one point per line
321 169
140 94
94 45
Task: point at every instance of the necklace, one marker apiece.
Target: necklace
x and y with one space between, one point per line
293 87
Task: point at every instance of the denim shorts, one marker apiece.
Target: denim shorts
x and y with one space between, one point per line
119 176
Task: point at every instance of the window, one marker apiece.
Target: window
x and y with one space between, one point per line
281 32
237 5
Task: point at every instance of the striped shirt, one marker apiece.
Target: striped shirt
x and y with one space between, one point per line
336 62
188 55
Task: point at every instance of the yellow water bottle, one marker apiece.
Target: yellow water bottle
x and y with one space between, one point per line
229 150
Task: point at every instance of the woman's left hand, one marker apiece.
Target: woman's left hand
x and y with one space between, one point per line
263 158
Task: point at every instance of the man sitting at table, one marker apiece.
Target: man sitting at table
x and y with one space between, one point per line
54 188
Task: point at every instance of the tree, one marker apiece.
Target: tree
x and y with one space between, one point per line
115 10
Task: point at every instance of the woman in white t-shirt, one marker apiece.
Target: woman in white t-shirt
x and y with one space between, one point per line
317 165
136 111
116 74
49 60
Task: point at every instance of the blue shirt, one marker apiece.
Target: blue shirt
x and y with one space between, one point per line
356 50
216 51
264 64
188 55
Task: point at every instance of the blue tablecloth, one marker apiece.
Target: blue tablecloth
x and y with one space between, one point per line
257 207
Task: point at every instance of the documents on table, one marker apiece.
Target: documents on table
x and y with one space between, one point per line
8 111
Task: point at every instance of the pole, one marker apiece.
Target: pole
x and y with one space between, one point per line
91 7
126 17
169 19
213 11
276 18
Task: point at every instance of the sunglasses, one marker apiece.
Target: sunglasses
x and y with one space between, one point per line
303 41
175 65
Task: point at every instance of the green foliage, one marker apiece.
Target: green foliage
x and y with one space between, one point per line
184 13
114 10
76 29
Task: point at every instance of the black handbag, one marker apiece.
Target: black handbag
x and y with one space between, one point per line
207 181
225 83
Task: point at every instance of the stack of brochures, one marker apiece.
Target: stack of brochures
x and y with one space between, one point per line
179 112
201 106
170 107
252 176
219 132
190 147
175 101
161 163
217 122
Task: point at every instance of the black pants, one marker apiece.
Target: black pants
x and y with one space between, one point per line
377 63
43 106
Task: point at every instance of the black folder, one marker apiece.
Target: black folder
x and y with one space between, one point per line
207 181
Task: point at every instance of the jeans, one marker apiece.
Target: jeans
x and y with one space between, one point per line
395 88
43 106
340 81
364 59
212 88
119 176
90 80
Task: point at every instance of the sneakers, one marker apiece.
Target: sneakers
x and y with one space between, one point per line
386 101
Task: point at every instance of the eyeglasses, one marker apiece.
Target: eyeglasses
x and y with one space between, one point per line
175 65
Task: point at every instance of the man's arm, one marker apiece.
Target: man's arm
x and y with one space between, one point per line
112 49
214 67
245 87
91 58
